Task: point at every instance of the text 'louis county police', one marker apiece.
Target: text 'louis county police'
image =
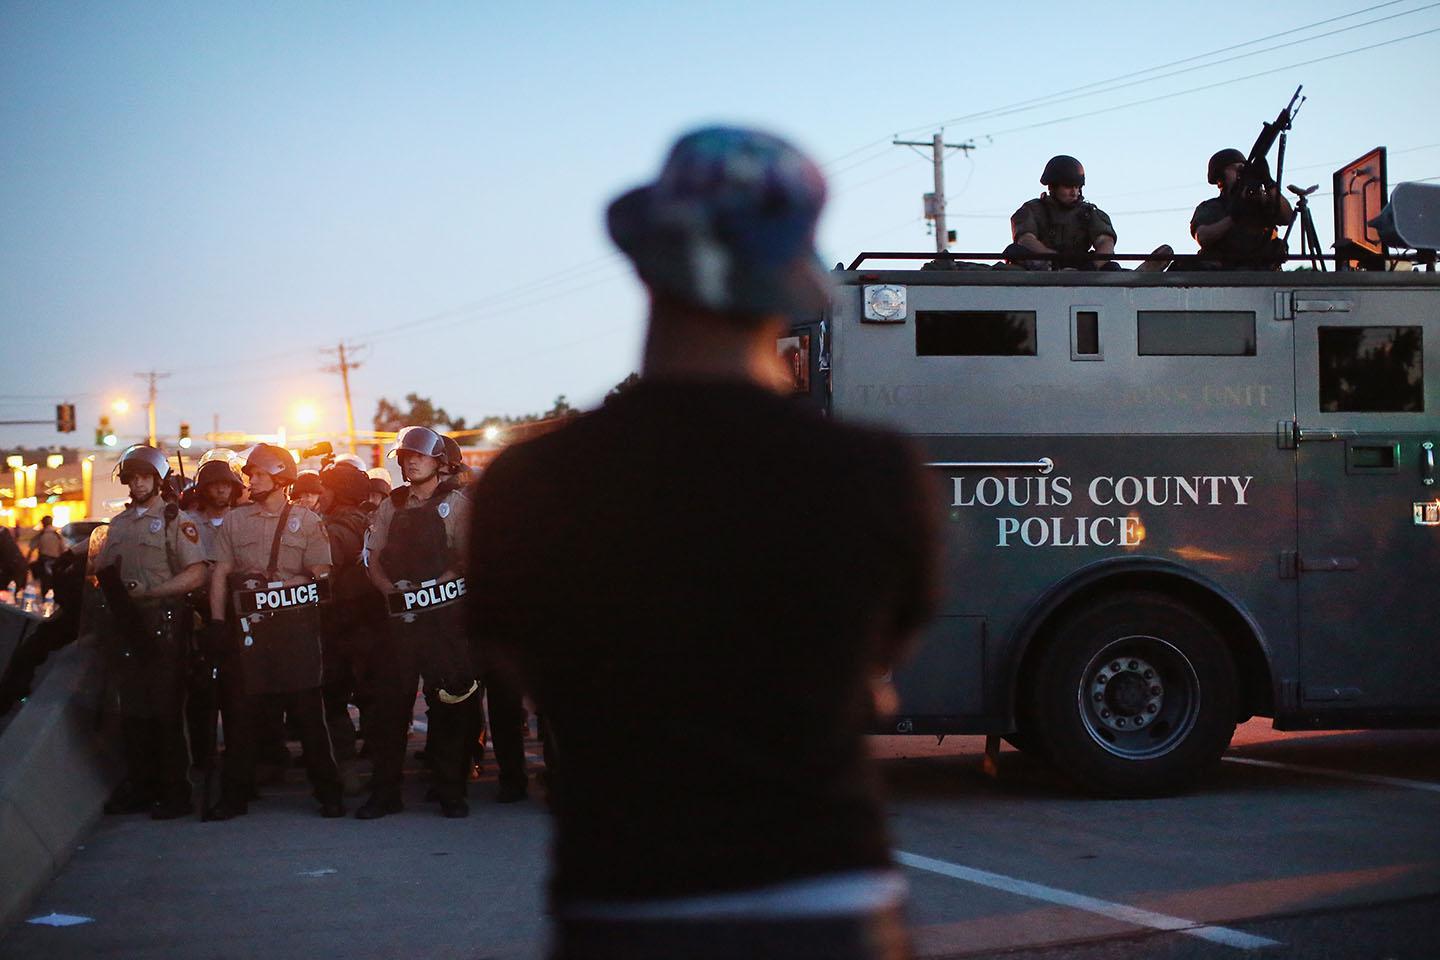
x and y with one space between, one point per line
1103 492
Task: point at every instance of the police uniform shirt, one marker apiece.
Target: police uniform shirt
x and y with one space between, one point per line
1068 230
209 533
145 545
244 540
1243 241
454 509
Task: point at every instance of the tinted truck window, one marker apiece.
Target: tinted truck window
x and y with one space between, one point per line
975 333
1371 369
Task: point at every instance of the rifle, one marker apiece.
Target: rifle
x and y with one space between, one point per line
135 639
1256 178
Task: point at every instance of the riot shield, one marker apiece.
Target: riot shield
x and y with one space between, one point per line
430 619
279 643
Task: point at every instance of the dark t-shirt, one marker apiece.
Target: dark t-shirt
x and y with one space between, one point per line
1246 242
697 583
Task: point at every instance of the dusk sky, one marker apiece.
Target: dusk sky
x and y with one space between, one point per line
220 191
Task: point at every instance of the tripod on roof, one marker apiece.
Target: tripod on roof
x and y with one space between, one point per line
1309 239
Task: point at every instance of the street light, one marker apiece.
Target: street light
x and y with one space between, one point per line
304 414
120 405
54 460
492 433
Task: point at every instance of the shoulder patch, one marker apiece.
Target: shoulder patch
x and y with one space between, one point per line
443 509
187 527
293 525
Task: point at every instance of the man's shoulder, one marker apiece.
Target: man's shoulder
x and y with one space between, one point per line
1209 210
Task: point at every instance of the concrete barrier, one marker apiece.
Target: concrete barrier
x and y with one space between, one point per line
57 767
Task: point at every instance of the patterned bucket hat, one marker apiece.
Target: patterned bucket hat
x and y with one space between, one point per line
729 225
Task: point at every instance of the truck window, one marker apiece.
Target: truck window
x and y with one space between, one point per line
975 333
1373 369
1195 333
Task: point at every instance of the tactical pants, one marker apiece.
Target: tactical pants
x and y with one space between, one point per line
452 731
244 713
157 757
152 722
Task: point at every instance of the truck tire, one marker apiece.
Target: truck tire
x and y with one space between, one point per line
1135 696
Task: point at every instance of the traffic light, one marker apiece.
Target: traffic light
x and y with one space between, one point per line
184 435
65 418
104 436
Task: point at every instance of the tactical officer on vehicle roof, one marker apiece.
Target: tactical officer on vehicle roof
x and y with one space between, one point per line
271 560
417 559
1236 230
1061 221
150 559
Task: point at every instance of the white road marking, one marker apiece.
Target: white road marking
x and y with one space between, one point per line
1340 774
1076 901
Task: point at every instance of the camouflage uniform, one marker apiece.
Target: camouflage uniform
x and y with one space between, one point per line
1070 231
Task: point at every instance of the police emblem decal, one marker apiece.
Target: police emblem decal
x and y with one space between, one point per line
190 532
443 510
293 525
155 524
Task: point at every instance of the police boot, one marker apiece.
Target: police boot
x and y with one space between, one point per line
172 809
378 806
227 809
128 798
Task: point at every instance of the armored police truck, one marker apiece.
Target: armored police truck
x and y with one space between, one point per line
1172 501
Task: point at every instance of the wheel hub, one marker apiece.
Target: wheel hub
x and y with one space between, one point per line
1126 693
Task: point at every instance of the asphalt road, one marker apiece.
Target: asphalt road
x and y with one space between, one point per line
1302 845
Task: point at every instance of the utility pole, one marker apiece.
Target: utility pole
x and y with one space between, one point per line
935 202
343 368
152 376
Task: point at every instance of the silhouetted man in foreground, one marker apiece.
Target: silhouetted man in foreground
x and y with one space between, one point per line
700 584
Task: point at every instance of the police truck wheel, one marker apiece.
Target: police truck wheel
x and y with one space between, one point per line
1136 696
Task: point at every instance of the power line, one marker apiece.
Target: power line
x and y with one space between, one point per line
1216 63
1174 63
1220 83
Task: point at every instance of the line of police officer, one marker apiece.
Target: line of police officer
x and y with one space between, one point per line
295 621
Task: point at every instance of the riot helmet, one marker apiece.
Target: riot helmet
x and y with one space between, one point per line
1063 170
140 455
421 440
219 471
351 459
454 459
1215 172
275 462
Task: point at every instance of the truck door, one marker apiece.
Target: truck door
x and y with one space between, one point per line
1369 501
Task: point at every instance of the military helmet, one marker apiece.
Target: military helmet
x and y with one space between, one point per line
142 455
1215 172
1065 171
421 440
274 461
219 470
308 481
347 481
